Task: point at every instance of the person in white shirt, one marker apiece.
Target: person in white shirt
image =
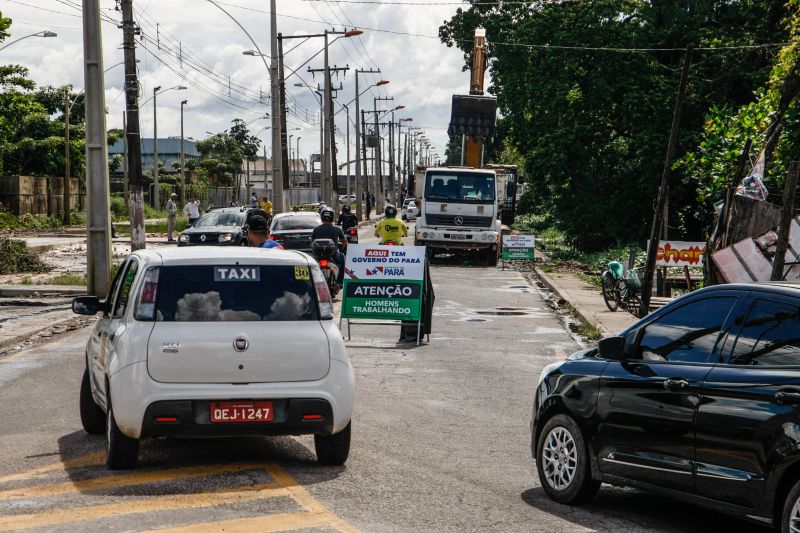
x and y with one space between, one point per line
172 216
192 209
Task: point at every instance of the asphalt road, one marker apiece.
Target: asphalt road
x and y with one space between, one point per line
440 441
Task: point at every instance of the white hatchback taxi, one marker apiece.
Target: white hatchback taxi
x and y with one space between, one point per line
195 343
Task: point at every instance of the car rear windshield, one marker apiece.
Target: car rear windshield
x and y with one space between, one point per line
234 293
219 219
296 222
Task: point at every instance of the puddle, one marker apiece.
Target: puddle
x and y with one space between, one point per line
474 319
502 313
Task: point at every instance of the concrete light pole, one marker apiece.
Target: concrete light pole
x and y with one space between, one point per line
183 159
98 228
157 197
358 136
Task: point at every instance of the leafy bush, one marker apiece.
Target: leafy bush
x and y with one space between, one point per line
15 257
118 206
77 218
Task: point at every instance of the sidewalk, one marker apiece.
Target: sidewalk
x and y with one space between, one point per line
587 301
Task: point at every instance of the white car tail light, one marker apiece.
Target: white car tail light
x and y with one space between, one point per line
146 307
323 294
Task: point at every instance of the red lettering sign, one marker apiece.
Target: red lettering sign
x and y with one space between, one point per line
376 253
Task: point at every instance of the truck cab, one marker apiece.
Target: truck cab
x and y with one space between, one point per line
459 211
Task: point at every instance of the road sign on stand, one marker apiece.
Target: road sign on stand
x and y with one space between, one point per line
519 248
383 282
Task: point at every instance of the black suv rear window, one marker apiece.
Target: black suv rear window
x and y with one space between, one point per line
235 293
297 222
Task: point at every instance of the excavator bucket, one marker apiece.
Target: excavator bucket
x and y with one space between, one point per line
473 116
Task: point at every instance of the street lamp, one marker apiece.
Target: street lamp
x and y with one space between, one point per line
45 33
358 140
328 138
156 89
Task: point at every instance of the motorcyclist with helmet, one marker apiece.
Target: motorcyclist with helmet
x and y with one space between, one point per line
347 219
327 230
391 228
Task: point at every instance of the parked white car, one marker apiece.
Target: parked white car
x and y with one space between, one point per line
194 343
409 211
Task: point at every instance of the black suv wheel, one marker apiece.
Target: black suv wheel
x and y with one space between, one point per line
562 461
790 518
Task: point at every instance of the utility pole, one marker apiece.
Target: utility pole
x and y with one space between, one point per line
379 198
283 152
98 228
652 249
67 161
360 143
156 199
277 174
183 160
393 194
125 157
786 222
136 198
363 156
347 142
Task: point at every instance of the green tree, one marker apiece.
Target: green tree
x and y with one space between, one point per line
592 123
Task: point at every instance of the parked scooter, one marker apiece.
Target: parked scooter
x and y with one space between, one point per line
325 251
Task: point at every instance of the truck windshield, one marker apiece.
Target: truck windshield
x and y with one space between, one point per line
460 187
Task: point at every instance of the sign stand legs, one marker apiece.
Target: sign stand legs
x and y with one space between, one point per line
419 332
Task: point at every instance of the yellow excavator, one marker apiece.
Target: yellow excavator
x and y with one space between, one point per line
473 116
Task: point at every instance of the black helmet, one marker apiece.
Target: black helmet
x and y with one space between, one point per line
390 211
345 208
327 214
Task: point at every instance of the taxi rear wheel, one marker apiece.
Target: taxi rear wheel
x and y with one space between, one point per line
122 452
333 449
93 418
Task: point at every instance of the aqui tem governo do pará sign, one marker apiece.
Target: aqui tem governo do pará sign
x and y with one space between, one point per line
383 282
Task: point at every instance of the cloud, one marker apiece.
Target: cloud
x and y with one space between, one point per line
423 72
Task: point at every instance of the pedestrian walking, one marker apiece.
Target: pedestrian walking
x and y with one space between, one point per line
253 200
172 216
369 205
192 209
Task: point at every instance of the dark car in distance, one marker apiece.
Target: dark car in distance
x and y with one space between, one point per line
698 401
219 227
293 230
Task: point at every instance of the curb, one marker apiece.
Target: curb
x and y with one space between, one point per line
13 291
582 314
20 339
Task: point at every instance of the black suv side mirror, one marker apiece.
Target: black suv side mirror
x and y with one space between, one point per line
612 348
87 305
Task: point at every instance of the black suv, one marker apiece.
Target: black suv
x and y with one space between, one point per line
218 227
699 401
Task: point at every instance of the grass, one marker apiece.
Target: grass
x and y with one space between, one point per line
589 331
592 279
65 278
15 257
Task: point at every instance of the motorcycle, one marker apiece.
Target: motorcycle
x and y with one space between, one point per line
325 252
352 235
392 243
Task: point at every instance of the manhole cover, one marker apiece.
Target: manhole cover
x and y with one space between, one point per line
502 313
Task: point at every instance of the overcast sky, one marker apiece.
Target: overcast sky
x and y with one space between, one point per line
423 73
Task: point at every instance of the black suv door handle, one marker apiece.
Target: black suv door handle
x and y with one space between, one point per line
674 384
783 396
